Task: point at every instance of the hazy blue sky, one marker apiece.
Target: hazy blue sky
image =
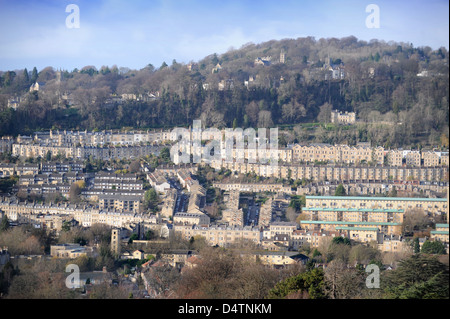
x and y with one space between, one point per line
135 33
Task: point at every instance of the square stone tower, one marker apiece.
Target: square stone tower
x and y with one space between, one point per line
115 241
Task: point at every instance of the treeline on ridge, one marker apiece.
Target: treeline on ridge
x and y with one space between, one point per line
380 83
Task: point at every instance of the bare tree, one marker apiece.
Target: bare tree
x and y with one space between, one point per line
74 193
135 166
265 119
20 242
252 110
293 112
291 214
31 246
363 254
255 281
325 113
105 290
342 282
215 276
415 220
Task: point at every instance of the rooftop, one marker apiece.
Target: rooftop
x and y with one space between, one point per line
377 198
357 228
348 223
438 232
328 209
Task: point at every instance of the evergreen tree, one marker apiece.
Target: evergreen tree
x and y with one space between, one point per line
4 225
8 78
234 123
165 154
151 199
433 247
215 59
316 253
26 77
340 190
377 57
65 226
310 282
34 75
416 245
393 192
417 277
341 240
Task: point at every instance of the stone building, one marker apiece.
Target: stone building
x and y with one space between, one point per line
339 117
116 241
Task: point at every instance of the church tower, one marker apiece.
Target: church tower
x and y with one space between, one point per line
115 241
58 76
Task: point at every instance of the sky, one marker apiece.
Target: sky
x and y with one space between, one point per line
135 33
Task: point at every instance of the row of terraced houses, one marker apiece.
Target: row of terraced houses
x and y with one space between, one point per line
338 172
117 144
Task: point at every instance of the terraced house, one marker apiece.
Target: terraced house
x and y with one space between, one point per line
6 143
440 233
365 218
220 235
117 181
85 138
82 152
338 172
337 153
85 215
120 203
431 205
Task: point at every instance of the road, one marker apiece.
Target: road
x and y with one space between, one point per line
182 198
252 213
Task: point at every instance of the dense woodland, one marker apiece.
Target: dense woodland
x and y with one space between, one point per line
395 107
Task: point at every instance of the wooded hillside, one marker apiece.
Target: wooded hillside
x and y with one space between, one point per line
400 93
